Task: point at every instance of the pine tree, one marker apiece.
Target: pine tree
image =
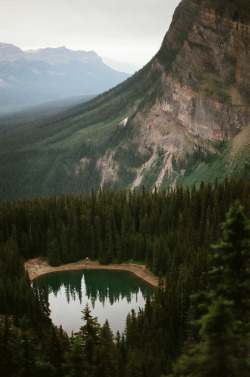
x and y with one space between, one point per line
53 251
231 273
89 334
76 364
9 337
106 355
134 365
224 349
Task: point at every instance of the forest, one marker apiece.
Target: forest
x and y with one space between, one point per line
196 240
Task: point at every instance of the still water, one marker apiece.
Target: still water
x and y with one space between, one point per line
110 295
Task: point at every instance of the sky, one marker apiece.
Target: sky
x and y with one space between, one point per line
124 30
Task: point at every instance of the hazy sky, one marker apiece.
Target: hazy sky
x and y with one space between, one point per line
125 30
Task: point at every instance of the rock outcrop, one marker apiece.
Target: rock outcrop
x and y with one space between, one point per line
208 86
205 79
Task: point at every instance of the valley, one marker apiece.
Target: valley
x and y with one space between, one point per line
183 111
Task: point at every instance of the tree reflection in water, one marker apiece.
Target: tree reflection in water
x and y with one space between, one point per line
110 295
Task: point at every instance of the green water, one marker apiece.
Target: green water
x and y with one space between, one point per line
110 295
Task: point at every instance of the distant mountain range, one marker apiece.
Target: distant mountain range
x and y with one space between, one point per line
28 78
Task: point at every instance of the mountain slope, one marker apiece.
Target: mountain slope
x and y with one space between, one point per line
183 118
28 78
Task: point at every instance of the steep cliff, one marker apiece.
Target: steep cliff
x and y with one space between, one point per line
205 81
208 88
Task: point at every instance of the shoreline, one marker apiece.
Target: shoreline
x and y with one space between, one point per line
39 266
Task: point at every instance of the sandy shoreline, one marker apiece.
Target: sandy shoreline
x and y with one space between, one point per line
38 266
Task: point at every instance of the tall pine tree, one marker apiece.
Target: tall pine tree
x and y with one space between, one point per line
224 349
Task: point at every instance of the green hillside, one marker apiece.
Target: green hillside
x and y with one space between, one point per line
42 159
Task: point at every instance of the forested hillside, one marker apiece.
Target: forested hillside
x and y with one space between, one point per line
171 232
182 119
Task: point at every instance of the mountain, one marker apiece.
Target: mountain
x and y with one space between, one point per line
28 78
181 119
9 52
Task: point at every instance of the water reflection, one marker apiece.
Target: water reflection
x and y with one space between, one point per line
110 294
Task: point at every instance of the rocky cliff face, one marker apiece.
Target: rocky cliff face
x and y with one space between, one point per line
210 75
208 88
205 79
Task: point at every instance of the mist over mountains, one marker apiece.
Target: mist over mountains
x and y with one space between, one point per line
28 78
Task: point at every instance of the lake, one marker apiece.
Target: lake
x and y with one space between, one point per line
110 295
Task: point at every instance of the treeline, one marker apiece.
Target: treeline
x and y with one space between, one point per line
171 232
161 229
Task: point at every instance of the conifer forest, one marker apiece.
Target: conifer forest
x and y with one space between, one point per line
195 240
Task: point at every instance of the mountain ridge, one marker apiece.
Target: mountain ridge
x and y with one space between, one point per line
48 54
28 78
173 122
212 112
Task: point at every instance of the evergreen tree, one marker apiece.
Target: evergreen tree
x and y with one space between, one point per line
9 337
89 334
76 364
106 356
133 365
231 273
224 349
53 251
